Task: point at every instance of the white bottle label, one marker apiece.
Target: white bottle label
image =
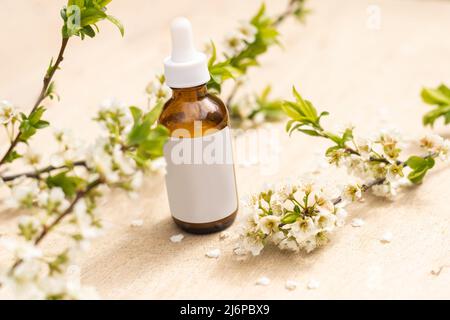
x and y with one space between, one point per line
200 180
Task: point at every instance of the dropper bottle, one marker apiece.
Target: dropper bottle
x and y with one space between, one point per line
200 180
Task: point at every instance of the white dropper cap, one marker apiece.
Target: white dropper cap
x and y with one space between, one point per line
186 67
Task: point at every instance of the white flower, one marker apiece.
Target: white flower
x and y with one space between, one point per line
136 180
177 238
386 190
247 31
268 224
125 164
7 112
288 205
289 244
277 237
309 244
263 281
364 147
264 205
436 144
291 285
157 89
56 195
234 43
214 253
249 245
31 157
302 229
246 106
352 192
357 222
341 215
325 220
23 194
158 165
21 249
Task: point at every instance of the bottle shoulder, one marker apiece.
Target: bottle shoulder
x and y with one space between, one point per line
208 110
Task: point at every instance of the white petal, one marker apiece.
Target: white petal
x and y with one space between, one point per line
387 237
224 235
177 238
263 281
291 284
313 284
214 253
357 222
137 223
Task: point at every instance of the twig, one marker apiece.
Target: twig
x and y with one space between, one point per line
236 86
37 173
286 13
439 270
46 230
46 82
364 188
277 21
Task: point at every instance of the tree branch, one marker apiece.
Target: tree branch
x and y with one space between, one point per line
46 82
37 173
48 228
277 21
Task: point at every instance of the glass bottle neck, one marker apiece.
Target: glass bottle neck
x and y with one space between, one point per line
190 94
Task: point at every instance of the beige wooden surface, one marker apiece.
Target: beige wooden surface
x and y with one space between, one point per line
358 74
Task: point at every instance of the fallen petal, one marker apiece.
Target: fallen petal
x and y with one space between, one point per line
263 281
137 223
177 238
214 253
357 222
291 284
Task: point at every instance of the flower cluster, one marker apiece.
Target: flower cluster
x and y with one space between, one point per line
436 145
292 217
254 109
8 112
157 90
236 42
439 98
62 198
242 49
375 161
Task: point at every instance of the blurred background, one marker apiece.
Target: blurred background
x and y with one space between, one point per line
364 61
353 54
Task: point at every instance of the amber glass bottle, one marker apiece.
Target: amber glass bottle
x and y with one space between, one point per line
186 108
200 180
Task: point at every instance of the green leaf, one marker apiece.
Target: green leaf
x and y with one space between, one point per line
142 128
29 125
117 23
415 162
439 96
41 124
420 167
36 115
310 132
153 115
91 16
13 155
289 218
69 184
430 117
136 113
89 31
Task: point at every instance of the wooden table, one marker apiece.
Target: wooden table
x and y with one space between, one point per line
361 75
